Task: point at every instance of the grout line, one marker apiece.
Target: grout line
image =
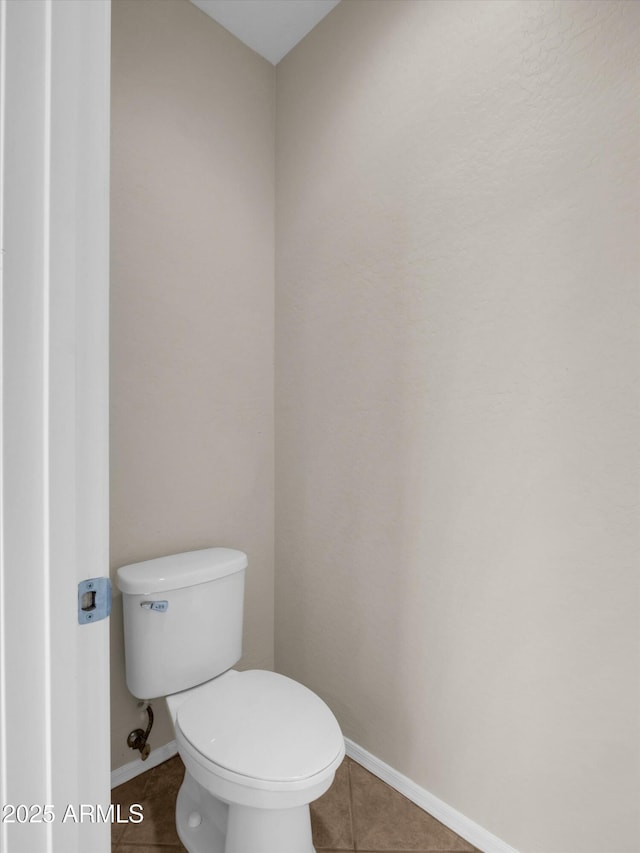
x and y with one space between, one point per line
352 820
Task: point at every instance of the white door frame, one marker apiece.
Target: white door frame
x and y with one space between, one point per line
54 172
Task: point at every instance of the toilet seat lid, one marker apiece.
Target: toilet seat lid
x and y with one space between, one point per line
261 725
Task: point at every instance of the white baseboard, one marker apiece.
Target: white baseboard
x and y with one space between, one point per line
450 817
137 766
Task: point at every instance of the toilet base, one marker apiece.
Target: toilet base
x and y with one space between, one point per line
207 825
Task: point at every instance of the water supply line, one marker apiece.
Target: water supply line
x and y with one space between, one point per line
137 739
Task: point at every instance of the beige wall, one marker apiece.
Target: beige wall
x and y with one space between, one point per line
192 309
456 358
457 434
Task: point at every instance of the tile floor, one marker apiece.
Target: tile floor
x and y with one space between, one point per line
358 812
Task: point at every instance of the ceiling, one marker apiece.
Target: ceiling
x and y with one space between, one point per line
270 27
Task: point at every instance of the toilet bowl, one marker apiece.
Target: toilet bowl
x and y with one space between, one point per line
266 747
257 746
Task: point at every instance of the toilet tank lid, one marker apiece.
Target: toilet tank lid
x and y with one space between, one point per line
180 570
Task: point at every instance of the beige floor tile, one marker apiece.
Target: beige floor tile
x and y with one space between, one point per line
384 820
125 795
331 814
159 807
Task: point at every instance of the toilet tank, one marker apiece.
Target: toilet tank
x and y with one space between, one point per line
182 619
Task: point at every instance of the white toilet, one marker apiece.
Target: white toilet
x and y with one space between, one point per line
257 746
